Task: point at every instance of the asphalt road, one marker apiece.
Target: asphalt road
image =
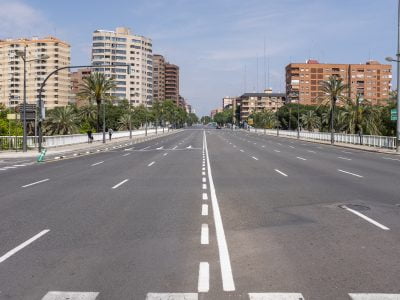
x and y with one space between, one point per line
203 214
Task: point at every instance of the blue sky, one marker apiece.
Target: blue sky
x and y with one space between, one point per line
215 41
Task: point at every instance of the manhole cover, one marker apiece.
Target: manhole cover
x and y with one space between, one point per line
357 207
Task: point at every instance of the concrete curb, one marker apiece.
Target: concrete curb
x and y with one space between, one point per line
82 152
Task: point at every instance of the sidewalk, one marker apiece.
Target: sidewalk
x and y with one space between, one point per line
337 144
84 148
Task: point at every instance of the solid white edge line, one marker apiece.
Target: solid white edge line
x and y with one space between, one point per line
98 163
204 278
368 219
275 296
171 296
360 176
345 158
119 184
374 296
204 240
225 263
204 209
37 182
280 172
23 245
57 295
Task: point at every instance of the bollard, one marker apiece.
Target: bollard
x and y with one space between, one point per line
42 155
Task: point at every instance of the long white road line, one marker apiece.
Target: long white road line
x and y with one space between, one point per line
34 183
98 163
368 219
59 295
225 262
23 245
350 173
119 184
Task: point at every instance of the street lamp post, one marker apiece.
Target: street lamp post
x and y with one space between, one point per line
104 122
22 54
39 124
398 77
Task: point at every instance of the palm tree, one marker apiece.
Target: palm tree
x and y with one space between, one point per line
97 87
333 90
61 120
310 120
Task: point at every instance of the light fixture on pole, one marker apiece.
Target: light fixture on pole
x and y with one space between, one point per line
22 55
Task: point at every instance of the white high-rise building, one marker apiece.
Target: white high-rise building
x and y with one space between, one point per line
111 49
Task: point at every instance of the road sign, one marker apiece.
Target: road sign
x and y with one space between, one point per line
30 112
12 116
393 114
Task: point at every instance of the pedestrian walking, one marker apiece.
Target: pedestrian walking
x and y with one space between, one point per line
110 132
90 136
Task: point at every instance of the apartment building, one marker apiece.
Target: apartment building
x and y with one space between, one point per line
112 51
228 102
257 102
158 77
57 91
371 80
172 82
77 82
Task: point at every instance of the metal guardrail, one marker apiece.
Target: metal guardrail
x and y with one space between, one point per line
15 142
377 141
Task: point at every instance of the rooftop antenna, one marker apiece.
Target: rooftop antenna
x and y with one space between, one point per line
265 70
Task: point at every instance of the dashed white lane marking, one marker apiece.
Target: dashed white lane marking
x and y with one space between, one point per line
203 285
205 196
204 234
57 295
160 148
275 296
263 146
277 151
280 172
19 165
372 296
350 173
311 151
255 158
174 147
37 182
145 148
204 186
292 147
152 163
225 264
368 219
165 154
98 163
204 179
203 173
241 150
391 158
127 154
119 184
203 169
302 158
9 167
23 245
204 209
172 296
344 158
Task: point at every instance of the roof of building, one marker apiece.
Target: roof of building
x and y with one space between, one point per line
245 95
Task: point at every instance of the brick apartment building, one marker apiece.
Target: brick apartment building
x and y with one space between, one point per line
371 80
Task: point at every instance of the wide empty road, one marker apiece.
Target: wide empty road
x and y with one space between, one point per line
203 214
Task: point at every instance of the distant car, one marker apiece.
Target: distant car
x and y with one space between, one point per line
218 127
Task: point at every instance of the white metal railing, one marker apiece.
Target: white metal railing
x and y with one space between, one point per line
377 141
15 142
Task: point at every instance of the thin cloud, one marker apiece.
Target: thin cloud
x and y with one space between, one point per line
18 19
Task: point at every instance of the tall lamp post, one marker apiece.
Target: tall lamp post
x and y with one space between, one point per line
398 77
39 124
22 54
